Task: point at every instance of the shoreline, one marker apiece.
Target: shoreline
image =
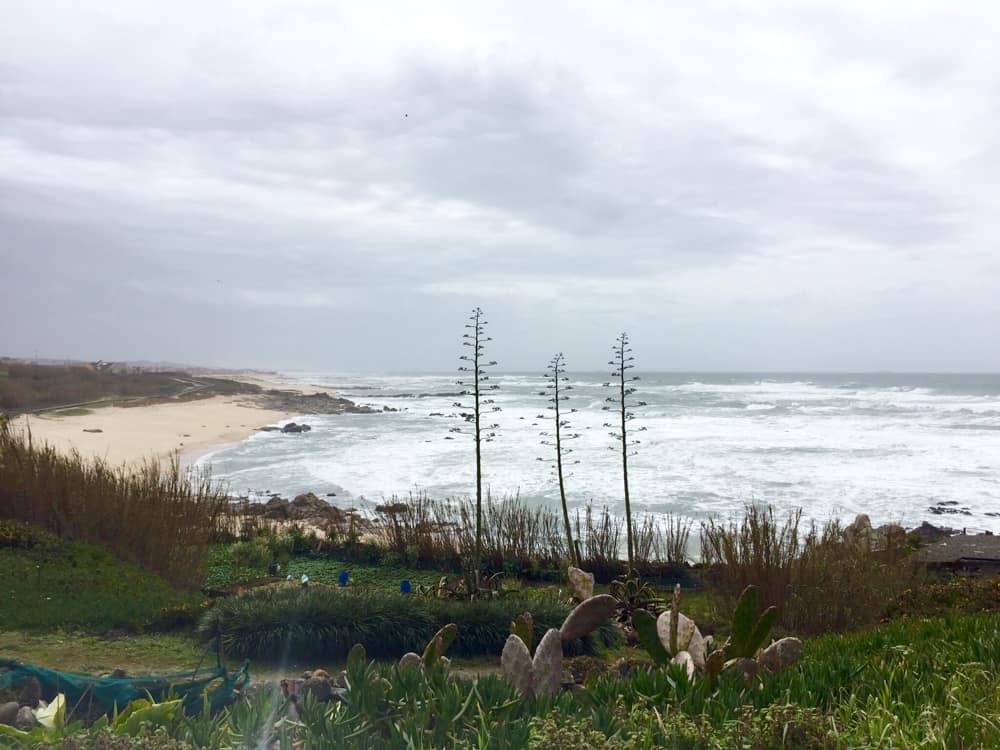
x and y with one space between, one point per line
188 430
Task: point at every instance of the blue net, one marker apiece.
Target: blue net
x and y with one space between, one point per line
110 693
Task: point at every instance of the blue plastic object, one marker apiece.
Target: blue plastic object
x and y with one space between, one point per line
342 578
405 587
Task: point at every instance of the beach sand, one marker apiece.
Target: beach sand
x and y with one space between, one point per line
133 434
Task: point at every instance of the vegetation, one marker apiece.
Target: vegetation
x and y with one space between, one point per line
474 376
555 391
324 622
31 387
50 583
823 579
159 519
909 684
623 390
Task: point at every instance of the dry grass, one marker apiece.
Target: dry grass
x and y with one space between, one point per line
159 518
822 579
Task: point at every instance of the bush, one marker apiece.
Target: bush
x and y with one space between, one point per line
825 580
318 622
156 518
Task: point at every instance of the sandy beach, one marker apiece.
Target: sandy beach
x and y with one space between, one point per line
136 433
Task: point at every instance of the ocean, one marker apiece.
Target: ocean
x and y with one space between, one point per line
889 445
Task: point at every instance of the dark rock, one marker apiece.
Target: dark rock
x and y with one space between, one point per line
276 508
313 403
928 532
8 712
25 719
31 692
292 427
308 506
441 414
318 687
93 429
269 428
942 509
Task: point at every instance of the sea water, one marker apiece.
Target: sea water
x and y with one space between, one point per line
891 446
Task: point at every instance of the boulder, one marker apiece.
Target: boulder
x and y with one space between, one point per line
293 427
308 506
276 508
25 719
780 654
860 529
8 712
581 583
928 532
31 692
890 535
318 687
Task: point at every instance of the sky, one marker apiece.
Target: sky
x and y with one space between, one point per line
781 186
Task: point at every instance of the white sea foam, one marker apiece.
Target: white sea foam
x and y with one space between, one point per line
889 446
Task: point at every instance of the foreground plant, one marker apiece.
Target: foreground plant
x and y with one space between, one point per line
542 674
675 638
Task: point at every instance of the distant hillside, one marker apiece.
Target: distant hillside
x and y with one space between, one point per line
26 387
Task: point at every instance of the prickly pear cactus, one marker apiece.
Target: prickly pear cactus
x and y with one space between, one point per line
516 666
688 636
439 644
588 616
546 667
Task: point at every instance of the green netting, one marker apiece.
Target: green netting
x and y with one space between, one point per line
111 693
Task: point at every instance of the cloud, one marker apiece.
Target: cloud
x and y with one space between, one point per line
683 172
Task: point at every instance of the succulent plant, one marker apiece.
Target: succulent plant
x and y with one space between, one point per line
542 675
434 651
675 638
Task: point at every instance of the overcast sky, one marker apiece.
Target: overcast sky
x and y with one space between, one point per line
741 186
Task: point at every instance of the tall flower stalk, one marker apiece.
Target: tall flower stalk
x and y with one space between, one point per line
557 384
476 390
620 402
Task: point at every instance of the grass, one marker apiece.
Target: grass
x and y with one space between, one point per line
156 517
82 585
325 622
77 411
76 651
222 571
923 683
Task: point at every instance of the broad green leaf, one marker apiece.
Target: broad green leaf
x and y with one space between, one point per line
743 621
762 630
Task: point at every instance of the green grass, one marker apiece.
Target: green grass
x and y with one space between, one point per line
75 584
75 651
286 621
221 572
78 411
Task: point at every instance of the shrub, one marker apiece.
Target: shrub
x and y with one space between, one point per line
827 579
160 519
319 622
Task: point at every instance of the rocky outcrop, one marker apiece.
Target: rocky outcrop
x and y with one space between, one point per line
314 403
581 583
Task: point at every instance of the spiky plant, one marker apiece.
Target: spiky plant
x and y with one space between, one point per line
476 390
555 390
621 383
